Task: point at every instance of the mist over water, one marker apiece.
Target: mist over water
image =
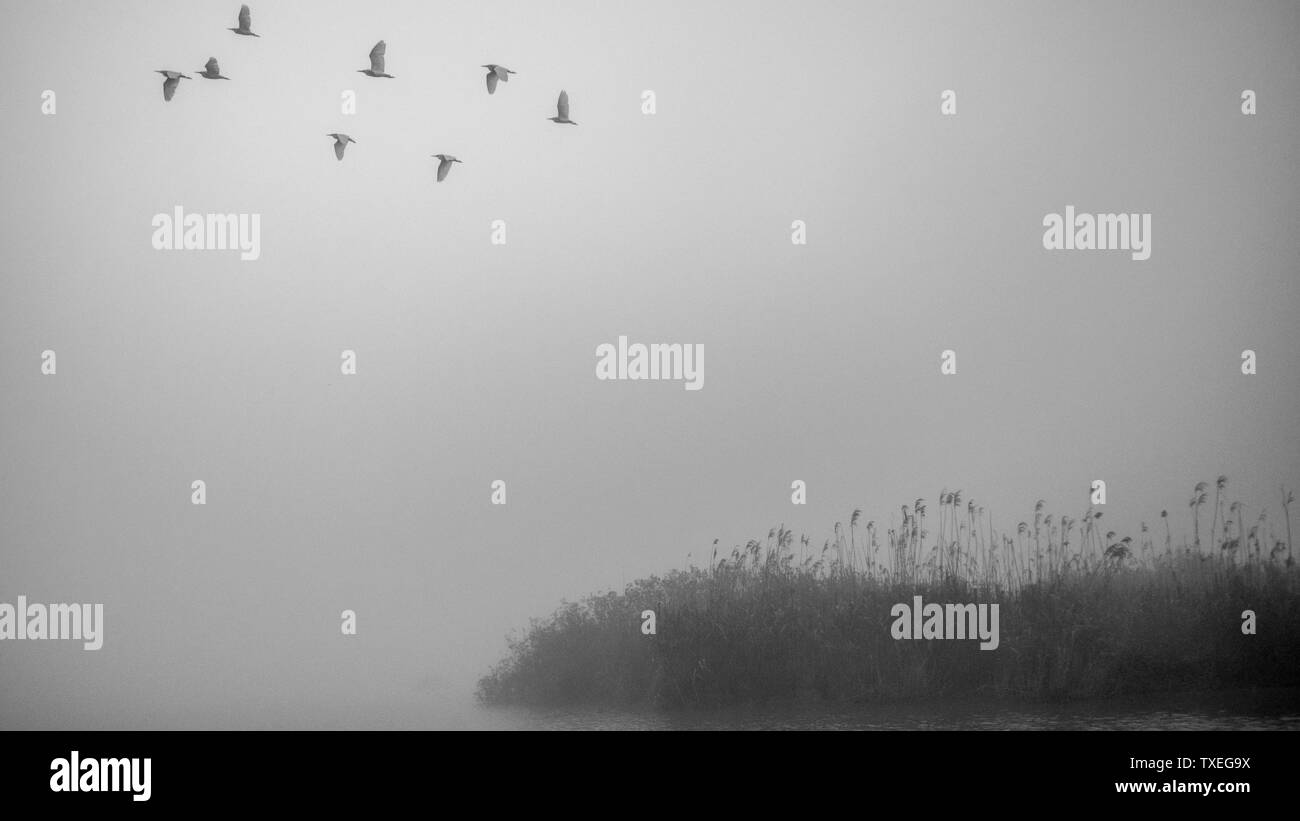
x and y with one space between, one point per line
476 362
1263 710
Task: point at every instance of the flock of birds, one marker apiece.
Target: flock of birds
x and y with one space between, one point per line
496 74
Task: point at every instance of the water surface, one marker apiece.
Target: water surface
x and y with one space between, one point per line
1273 709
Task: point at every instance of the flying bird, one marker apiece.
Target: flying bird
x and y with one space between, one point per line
562 109
173 80
212 71
444 165
245 23
340 143
496 73
376 62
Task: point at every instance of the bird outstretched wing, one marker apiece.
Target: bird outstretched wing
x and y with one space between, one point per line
377 57
169 87
563 105
492 82
212 67
245 18
443 167
339 145
501 72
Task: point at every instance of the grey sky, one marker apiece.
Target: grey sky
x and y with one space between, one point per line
476 361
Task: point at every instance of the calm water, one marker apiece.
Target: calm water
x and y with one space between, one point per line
437 705
1277 709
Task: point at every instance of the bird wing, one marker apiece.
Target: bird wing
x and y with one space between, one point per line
339 145
501 72
169 87
443 167
377 57
245 18
212 67
492 82
563 105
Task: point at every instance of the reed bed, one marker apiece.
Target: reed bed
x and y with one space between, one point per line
1083 614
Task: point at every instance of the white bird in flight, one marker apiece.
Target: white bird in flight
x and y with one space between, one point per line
444 165
496 73
212 71
562 109
173 80
376 62
245 23
340 143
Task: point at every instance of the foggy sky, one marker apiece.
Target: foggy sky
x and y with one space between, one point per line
476 362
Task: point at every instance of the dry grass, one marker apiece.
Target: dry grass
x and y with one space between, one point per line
1084 614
